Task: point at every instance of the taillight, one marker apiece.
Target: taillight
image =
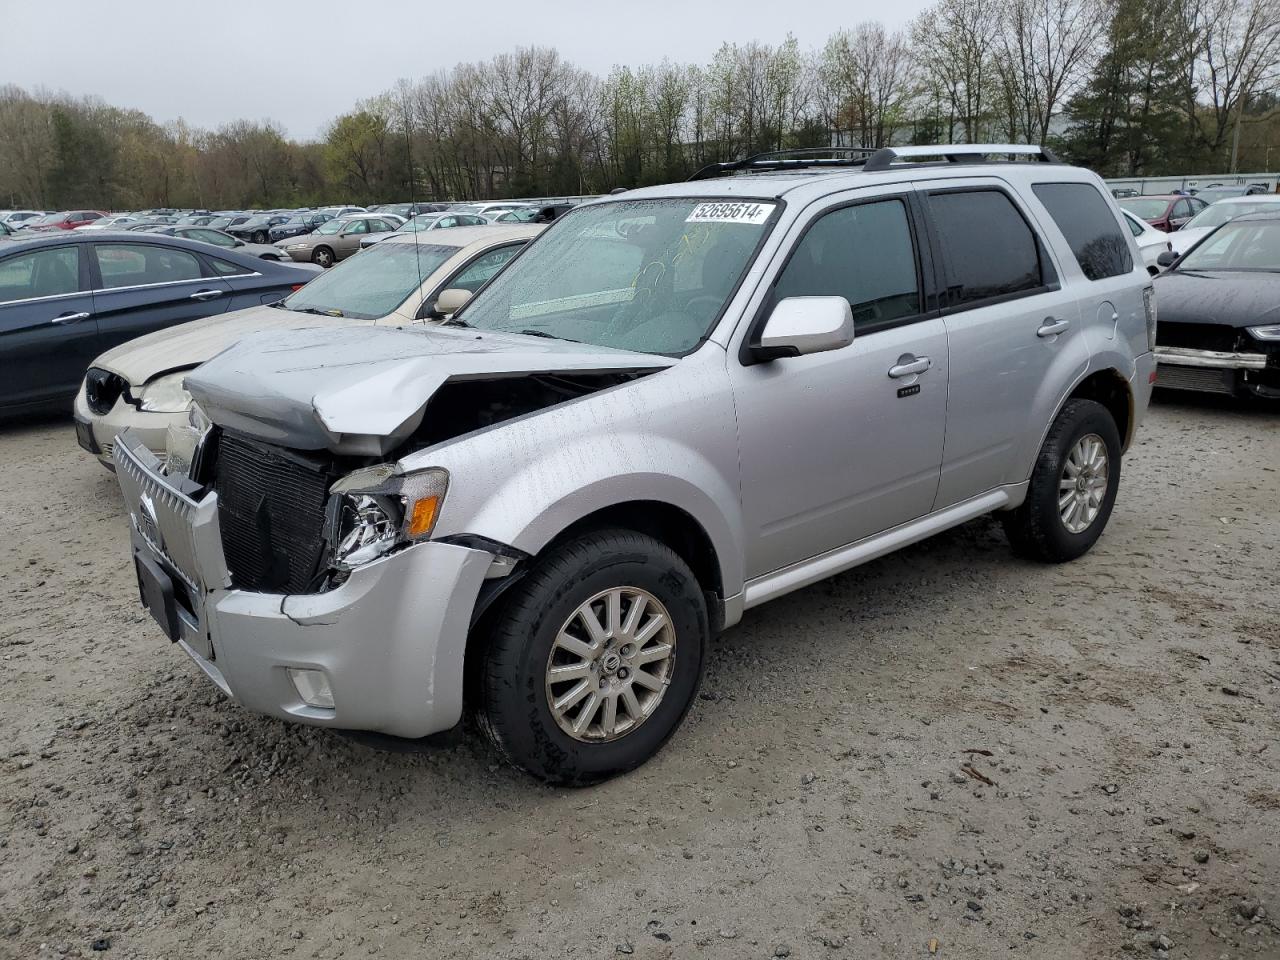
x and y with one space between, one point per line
1149 302
296 287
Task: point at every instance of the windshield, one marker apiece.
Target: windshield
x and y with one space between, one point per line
330 226
1251 245
1145 208
644 275
1219 213
374 283
518 216
422 221
257 222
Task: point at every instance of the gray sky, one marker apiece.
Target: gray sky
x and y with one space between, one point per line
262 59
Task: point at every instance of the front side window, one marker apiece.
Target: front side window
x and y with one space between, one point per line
372 284
1089 226
607 274
863 253
356 226
484 267
135 264
50 272
988 250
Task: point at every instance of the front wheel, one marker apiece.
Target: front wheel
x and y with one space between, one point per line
322 256
594 658
1073 486
259 237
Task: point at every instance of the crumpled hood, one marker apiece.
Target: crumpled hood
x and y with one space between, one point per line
194 342
363 391
1229 298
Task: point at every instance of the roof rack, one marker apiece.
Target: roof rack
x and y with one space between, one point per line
956 153
788 160
871 159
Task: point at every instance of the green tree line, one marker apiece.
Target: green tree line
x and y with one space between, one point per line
1127 87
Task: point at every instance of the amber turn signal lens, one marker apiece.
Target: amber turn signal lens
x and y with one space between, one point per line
423 517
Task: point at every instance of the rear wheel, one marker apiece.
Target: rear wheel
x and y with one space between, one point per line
594 658
323 256
1073 486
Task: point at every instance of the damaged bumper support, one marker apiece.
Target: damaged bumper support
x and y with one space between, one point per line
383 651
1212 359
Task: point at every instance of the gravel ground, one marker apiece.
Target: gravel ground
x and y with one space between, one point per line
947 752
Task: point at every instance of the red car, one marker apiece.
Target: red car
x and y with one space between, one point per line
1167 212
66 220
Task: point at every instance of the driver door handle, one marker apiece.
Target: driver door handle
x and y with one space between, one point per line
70 317
910 368
206 294
1052 327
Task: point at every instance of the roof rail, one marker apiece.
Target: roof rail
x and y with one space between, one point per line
789 159
956 153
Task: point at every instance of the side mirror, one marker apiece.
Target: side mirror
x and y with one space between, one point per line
804 325
447 303
239 243
1167 258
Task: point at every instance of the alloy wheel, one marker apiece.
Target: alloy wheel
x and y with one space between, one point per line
610 664
1083 484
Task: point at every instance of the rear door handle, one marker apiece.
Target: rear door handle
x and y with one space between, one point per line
1052 327
70 317
910 368
206 294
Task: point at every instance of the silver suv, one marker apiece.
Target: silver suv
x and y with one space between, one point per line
676 404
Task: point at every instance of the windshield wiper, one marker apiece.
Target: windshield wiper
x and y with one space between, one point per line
454 322
334 312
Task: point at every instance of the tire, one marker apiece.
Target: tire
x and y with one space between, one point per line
323 256
259 237
1038 529
515 694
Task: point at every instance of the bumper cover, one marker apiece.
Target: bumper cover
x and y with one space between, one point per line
151 428
390 639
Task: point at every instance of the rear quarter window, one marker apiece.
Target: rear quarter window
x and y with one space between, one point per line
1005 263
1089 226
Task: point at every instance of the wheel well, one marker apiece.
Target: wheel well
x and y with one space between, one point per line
1110 389
664 522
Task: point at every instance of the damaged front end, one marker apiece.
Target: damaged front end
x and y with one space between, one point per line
302 436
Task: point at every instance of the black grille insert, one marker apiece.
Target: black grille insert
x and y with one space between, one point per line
102 389
271 509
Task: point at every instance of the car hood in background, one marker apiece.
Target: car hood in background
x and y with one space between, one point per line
364 391
189 344
1230 298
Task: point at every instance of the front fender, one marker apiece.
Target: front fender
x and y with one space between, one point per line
669 438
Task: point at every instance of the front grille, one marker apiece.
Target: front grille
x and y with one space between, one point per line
271 506
1197 336
102 389
1201 379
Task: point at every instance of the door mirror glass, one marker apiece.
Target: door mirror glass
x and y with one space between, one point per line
1166 258
803 325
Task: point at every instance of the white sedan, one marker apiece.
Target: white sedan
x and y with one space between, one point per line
1151 242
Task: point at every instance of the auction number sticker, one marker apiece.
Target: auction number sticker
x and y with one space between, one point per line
726 212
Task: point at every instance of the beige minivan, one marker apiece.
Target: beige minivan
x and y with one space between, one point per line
403 280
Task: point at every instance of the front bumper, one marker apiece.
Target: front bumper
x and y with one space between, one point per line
151 428
1226 372
390 640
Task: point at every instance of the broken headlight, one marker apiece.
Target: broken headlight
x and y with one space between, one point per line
165 394
375 510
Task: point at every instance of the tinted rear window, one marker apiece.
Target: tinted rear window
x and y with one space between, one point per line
1090 227
988 250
